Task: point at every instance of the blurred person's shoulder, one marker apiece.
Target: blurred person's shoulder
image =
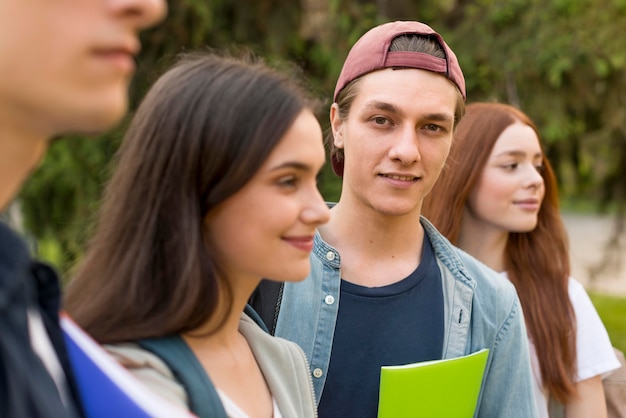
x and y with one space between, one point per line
14 260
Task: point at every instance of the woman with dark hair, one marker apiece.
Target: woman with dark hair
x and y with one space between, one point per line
497 199
214 189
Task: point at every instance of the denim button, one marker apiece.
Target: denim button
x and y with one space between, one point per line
329 299
330 256
318 373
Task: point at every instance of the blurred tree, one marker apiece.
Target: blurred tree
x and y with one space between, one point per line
562 61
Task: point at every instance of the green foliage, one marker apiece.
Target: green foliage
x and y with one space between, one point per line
612 311
59 200
563 62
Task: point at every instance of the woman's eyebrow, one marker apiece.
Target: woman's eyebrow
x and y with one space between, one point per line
292 164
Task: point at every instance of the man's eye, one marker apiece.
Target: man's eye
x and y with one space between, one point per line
380 120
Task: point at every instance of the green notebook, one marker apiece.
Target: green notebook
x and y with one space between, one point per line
438 388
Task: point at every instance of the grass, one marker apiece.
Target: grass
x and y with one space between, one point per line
612 310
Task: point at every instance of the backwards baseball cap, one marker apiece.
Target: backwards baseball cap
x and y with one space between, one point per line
371 53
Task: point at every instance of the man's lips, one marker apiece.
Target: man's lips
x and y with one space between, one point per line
401 177
121 54
400 180
119 58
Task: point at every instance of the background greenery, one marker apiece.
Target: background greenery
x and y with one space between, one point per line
612 310
562 61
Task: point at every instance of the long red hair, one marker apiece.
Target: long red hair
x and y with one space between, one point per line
537 262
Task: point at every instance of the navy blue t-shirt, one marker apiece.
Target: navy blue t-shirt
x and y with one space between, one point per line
397 324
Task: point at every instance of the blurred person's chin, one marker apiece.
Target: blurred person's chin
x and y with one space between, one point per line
93 117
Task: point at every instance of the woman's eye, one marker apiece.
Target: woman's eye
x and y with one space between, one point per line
540 168
290 181
510 167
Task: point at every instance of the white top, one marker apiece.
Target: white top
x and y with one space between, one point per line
234 411
594 352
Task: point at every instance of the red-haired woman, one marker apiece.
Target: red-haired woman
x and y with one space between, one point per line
498 201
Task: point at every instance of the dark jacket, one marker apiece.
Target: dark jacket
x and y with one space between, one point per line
26 388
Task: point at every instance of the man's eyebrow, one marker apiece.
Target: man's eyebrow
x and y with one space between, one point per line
441 117
388 107
377 105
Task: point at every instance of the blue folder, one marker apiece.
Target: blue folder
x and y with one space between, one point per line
107 389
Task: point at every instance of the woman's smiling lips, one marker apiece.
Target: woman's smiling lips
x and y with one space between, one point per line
304 243
528 204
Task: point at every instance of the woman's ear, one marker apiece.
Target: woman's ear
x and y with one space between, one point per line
336 124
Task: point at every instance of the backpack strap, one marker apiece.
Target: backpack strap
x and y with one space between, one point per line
265 301
249 310
203 398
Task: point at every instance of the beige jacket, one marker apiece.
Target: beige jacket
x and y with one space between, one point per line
282 362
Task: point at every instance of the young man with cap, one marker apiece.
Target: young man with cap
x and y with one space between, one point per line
65 66
385 287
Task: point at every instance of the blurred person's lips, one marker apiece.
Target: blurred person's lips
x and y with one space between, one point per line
121 55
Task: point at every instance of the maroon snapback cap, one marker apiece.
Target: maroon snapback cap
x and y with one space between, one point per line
371 53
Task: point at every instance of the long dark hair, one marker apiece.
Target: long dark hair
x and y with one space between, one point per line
537 262
201 133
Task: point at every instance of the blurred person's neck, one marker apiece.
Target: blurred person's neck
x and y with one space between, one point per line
20 153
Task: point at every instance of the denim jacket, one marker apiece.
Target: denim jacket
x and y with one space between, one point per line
481 310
